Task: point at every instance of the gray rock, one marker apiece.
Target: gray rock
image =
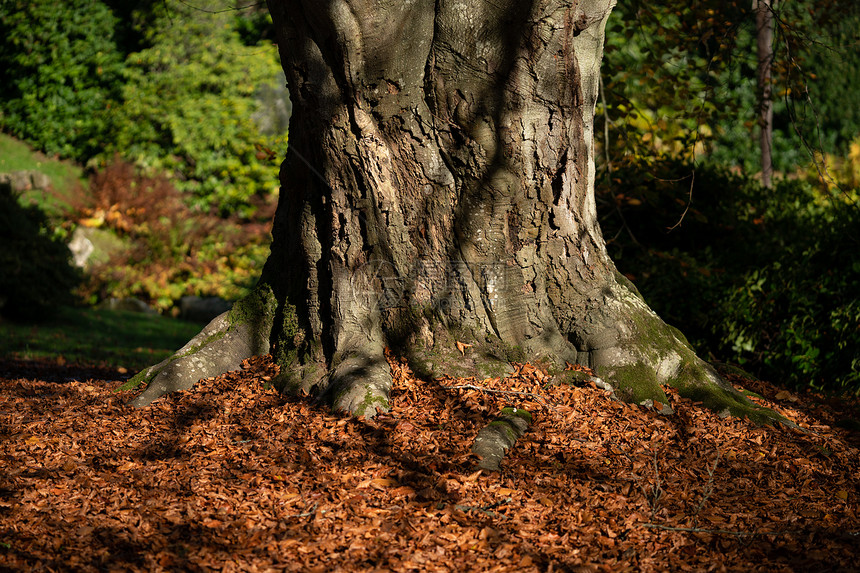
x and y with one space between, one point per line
81 247
40 180
25 180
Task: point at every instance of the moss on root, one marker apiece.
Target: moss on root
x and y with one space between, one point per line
133 382
692 381
654 353
497 437
371 404
518 412
146 375
253 313
257 308
637 383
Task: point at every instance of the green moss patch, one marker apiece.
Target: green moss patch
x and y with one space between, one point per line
637 383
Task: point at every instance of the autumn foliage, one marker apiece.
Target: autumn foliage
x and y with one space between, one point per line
236 477
172 250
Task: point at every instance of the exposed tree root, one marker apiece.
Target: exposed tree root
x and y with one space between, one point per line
634 354
360 384
640 353
220 347
497 437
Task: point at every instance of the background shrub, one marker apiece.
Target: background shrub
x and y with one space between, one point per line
172 252
36 275
170 87
188 105
60 69
768 279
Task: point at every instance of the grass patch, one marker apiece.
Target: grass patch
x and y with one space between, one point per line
97 337
16 155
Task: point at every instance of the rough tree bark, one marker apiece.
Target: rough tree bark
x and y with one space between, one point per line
439 188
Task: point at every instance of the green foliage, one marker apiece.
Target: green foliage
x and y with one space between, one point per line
188 102
36 275
662 71
827 106
767 279
60 67
798 312
680 78
816 89
183 104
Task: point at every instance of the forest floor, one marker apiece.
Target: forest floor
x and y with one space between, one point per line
235 477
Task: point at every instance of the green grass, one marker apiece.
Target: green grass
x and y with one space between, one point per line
97 337
15 155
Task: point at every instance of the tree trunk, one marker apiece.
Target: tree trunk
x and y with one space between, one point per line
764 43
439 188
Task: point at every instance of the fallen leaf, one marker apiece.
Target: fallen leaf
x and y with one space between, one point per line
381 483
462 346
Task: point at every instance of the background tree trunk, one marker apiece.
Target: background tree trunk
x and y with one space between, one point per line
764 43
439 188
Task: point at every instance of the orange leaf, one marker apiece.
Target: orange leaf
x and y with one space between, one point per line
381 483
462 346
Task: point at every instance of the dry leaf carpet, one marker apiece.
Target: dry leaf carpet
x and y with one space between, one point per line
233 476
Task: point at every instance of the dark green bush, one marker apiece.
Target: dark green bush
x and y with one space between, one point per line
766 278
60 69
184 104
36 274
